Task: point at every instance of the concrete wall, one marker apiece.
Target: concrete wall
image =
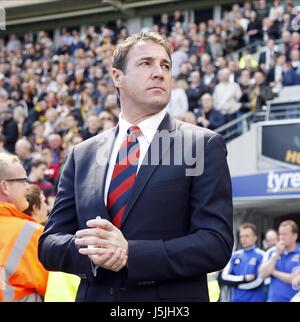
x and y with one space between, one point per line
242 153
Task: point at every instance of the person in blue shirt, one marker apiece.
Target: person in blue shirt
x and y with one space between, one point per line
281 262
242 270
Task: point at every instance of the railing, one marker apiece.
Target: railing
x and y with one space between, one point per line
284 110
240 125
251 48
273 111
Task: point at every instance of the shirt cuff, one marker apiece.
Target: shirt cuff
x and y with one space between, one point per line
94 268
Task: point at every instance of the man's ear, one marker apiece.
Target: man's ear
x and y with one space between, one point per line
3 188
117 75
35 210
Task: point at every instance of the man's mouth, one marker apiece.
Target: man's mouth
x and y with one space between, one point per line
157 88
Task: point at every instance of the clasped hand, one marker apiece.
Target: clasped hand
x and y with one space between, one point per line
106 245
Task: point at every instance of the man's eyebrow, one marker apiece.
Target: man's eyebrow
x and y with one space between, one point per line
149 58
167 61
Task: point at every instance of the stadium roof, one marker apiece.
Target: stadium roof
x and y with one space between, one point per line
27 11
44 14
21 3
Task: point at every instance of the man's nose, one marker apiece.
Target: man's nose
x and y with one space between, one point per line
157 71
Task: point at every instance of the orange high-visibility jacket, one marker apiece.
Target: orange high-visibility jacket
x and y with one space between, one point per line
21 272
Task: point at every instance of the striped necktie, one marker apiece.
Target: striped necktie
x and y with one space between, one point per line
123 176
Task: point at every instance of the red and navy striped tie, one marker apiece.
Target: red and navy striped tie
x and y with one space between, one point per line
124 175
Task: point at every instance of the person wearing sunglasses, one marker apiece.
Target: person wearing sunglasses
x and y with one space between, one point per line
22 276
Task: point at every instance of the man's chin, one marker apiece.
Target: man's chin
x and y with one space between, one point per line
158 106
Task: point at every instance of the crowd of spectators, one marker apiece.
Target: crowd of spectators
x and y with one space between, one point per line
55 93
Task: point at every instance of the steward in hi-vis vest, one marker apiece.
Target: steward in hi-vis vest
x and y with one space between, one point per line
22 276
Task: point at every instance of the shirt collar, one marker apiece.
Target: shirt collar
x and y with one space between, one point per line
9 210
249 248
148 126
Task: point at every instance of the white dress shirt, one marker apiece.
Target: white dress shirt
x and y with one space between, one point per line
148 128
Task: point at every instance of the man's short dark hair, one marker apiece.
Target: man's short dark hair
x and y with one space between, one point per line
74 115
33 195
70 101
120 53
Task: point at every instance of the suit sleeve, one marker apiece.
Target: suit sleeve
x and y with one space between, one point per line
57 250
208 245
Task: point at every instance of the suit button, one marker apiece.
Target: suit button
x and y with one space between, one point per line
142 283
83 276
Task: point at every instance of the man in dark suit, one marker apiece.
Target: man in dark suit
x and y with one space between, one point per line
9 129
144 229
209 117
195 90
268 56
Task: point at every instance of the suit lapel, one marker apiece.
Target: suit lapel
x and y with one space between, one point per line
104 145
146 170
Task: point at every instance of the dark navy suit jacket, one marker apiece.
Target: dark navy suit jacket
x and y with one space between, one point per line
178 227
